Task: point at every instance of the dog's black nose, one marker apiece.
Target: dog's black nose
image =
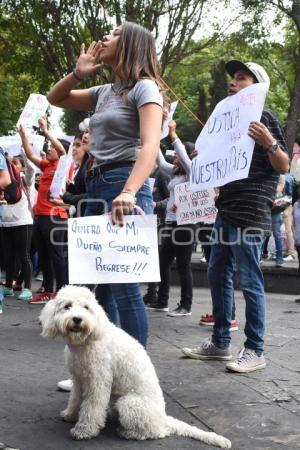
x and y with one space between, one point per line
77 320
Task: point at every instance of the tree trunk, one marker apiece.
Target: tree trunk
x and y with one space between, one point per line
294 110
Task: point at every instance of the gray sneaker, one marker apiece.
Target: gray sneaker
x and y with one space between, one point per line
208 350
247 361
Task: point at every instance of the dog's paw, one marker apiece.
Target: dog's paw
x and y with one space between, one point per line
225 443
220 441
68 416
80 432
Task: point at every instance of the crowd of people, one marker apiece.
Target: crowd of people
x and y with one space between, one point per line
113 158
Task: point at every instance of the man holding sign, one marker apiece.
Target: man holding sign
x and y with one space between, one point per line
243 220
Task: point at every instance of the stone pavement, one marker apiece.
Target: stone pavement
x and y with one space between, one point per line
259 411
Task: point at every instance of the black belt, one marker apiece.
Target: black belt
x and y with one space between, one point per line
106 167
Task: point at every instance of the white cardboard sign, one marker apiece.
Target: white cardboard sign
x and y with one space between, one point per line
61 174
13 144
194 206
100 252
165 128
34 108
224 147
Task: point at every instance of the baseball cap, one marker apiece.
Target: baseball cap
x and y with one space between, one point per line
84 124
254 69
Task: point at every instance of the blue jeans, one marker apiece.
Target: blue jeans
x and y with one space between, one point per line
126 299
231 245
276 225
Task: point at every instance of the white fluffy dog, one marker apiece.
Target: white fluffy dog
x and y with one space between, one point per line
108 365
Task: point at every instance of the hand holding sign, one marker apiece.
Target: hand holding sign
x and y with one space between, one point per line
100 252
260 133
165 129
123 204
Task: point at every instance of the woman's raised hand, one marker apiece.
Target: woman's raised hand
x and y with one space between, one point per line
88 61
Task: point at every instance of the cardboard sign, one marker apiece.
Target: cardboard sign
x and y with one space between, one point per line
165 128
224 147
194 206
61 174
13 144
36 106
100 252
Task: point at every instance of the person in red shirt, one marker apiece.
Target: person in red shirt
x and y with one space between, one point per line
50 221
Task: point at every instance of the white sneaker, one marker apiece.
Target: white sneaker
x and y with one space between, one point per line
247 361
65 385
289 258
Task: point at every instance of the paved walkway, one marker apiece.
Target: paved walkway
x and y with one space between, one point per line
259 411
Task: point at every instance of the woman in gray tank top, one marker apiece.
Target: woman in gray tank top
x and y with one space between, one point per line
124 140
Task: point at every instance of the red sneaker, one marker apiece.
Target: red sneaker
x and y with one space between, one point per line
234 325
42 298
207 320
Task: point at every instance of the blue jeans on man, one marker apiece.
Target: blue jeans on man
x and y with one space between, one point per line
276 228
233 245
123 298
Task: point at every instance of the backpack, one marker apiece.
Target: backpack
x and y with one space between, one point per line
13 192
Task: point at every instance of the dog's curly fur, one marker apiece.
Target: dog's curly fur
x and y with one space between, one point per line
106 363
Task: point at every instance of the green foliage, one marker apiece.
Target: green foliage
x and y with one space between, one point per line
39 43
70 121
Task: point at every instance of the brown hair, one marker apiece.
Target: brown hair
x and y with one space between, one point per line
137 58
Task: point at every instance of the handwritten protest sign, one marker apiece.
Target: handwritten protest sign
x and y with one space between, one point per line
35 107
100 252
61 174
224 147
165 128
196 206
13 144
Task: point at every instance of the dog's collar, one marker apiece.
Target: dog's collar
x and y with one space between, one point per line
72 347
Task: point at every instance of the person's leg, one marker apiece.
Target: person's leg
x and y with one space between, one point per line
132 312
183 246
297 247
220 276
298 253
166 256
22 235
56 230
219 271
252 284
288 221
276 224
203 236
265 247
101 191
151 294
41 235
105 298
9 250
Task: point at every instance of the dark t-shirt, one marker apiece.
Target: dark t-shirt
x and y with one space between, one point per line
247 202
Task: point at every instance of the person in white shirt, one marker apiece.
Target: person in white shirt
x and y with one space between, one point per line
17 222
